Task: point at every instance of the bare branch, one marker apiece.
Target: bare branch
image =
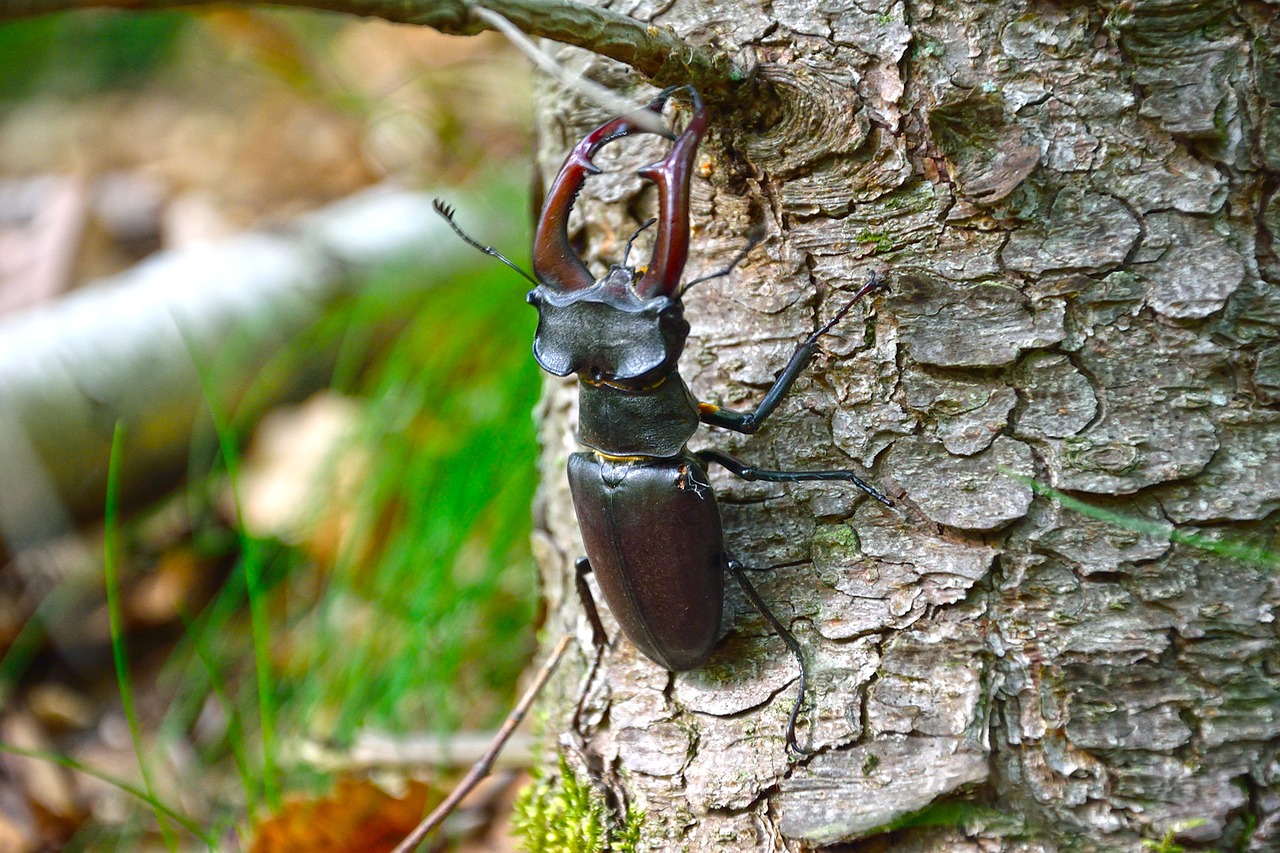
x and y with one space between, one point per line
655 51
481 768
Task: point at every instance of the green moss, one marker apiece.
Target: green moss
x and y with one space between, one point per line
967 816
564 814
1167 843
883 242
924 47
831 539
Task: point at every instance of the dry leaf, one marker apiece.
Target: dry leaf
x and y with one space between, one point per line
159 596
300 474
358 817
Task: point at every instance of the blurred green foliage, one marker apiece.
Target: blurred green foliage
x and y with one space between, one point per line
426 618
85 52
445 608
424 621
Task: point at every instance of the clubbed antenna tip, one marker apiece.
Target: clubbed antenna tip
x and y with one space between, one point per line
447 212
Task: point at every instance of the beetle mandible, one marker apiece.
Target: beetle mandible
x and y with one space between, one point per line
648 515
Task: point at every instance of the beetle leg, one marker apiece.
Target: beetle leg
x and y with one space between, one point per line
750 473
687 480
582 568
739 573
749 422
672 174
554 261
599 638
626 253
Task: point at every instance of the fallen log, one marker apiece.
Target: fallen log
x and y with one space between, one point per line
155 346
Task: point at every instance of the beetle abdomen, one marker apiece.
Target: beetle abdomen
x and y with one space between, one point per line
653 536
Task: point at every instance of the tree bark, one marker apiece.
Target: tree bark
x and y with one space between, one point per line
1075 206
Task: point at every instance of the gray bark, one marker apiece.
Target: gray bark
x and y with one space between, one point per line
1075 205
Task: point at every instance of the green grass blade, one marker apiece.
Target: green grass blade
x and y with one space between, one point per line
235 724
51 610
1232 549
111 557
146 796
251 557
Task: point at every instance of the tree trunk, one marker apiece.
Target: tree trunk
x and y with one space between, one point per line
1075 206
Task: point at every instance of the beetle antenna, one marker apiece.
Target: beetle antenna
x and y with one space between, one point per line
627 251
739 258
447 212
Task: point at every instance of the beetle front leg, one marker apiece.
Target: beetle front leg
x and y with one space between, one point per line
749 422
750 473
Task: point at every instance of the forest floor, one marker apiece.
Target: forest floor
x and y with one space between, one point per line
173 677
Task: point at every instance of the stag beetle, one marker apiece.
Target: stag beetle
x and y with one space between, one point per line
648 515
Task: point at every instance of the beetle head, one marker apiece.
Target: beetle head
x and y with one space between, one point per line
624 328
608 332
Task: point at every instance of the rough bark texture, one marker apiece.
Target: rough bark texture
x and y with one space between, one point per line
1075 204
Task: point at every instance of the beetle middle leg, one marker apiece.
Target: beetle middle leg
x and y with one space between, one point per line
582 568
750 473
739 573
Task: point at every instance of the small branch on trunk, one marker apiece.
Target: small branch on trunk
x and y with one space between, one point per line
481 768
657 52
593 91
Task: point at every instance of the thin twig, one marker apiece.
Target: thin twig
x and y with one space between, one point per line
480 769
590 89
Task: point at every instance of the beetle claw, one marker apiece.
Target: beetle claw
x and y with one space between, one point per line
672 175
554 261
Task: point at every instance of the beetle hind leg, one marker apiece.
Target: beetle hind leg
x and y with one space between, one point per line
739 574
582 568
750 473
599 637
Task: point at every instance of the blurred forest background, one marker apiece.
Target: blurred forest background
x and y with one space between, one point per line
267 654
